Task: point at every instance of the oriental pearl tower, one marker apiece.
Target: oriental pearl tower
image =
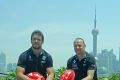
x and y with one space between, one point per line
95 33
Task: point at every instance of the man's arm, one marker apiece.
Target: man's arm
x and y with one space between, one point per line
90 75
91 69
20 74
50 72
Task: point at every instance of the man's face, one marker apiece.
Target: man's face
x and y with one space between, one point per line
36 41
79 46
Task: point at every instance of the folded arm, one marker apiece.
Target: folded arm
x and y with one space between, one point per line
50 72
20 74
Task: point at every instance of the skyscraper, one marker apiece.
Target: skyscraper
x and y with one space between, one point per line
119 54
2 62
119 59
95 33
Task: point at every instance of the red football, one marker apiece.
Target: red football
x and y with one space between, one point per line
35 75
67 75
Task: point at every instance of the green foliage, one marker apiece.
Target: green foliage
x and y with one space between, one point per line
10 76
58 72
115 76
2 78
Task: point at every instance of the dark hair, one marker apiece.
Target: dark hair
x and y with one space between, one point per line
37 32
80 39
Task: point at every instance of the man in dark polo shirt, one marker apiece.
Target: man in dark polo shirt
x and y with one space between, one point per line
35 59
82 63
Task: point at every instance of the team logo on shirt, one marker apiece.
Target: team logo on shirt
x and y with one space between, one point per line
30 58
74 61
85 60
84 63
74 64
43 59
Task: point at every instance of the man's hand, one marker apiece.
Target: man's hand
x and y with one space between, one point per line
50 72
40 78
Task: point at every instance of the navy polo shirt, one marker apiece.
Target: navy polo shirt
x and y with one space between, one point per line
31 63
82 66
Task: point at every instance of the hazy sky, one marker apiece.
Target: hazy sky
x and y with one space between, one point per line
60 21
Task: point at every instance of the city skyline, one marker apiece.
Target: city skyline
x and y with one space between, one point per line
60 22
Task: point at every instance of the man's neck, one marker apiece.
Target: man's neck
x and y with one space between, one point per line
81 56
37 52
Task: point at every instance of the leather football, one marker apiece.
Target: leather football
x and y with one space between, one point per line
35 75
67 75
